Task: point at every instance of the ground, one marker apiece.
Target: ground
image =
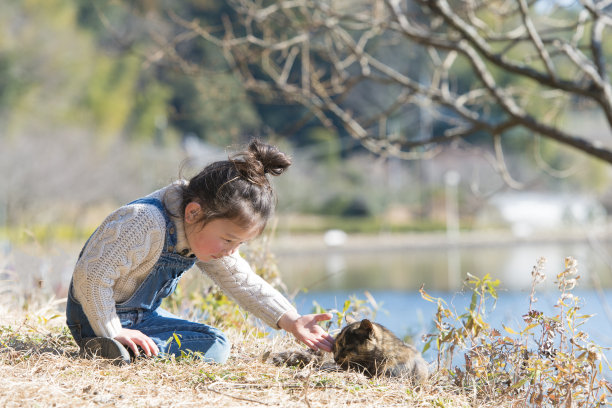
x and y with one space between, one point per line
40 366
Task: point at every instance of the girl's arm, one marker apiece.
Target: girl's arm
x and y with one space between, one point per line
236 278
115 260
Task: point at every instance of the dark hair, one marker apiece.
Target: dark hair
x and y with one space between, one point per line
238 188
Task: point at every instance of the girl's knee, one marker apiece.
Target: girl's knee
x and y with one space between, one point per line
220 351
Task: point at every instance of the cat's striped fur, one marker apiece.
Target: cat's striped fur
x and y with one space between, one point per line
369 348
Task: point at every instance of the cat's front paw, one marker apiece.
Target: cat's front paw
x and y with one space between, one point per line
294 358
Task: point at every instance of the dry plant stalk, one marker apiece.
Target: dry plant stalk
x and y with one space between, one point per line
550 362
39 366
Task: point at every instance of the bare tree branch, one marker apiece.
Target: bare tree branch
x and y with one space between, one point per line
473 67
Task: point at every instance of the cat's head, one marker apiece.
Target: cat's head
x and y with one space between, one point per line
356 342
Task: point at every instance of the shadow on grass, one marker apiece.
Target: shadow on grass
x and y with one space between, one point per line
27 341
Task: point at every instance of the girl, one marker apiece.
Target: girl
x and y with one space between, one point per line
138 254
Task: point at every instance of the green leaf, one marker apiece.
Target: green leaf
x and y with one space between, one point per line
473 302
520 383
176 338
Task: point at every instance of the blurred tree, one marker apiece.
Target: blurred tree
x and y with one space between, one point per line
52 74
327 143
405 78
201 95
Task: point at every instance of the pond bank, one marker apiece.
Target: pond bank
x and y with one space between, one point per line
288 244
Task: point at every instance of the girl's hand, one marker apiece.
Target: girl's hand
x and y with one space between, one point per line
134 338
306 329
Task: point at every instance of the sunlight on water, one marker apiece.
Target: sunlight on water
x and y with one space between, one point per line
438 269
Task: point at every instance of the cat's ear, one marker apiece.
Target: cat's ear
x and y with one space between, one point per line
366 325
349 319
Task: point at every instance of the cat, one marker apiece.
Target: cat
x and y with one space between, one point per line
366 347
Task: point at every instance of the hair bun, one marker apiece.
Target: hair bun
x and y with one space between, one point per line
273 160
261 159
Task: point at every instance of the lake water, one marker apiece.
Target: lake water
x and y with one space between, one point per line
394 277
440 268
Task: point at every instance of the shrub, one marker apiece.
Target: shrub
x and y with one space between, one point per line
549 362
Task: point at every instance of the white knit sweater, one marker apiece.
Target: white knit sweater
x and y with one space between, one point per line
126 246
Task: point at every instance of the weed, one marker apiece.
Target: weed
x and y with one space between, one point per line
353 306
549 362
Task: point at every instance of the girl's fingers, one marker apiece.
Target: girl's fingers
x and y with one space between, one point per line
324 344
132 345
148 346
145 347
155 348
323 316
311 345
317 342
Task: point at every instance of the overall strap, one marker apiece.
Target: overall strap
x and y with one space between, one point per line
153 201
170 242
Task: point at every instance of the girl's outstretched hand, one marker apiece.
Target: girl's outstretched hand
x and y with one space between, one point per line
306 329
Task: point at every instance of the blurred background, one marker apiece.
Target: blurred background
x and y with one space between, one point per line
94 113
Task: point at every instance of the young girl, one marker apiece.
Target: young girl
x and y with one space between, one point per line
138 254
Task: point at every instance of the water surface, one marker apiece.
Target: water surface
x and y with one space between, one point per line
393 278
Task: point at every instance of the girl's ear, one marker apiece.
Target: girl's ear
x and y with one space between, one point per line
191 212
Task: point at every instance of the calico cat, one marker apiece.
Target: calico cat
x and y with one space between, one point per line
369 348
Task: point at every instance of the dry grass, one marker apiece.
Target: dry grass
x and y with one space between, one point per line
39 366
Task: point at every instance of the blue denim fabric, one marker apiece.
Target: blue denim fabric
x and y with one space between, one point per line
142 312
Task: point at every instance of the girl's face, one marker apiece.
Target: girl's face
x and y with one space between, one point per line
218 238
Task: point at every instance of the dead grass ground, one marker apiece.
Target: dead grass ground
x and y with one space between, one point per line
40 367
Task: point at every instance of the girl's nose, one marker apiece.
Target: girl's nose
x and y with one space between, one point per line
229 251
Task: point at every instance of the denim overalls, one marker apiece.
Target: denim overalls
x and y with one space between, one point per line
142 312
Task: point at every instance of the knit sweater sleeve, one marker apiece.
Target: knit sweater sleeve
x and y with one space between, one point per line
123 247
236 278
